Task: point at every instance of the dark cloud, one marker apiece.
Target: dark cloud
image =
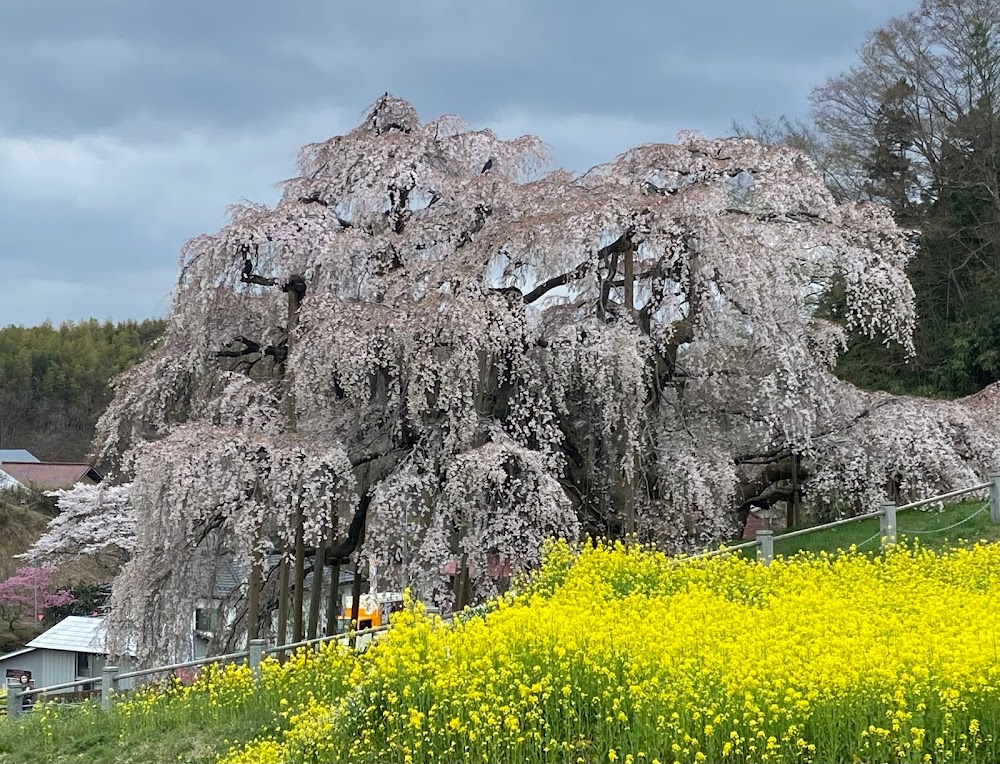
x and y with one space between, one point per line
128 125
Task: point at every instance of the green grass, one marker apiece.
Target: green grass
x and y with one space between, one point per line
931 525
189 730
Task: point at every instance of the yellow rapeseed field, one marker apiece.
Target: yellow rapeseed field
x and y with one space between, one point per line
621 654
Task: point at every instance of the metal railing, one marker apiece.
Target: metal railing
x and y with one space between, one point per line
258 649
111 676
764 539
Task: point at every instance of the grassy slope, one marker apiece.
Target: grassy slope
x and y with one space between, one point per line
187 738
932 526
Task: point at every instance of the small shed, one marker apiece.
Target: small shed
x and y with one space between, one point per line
75 648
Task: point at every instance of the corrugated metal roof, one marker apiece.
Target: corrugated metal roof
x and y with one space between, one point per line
74 632
17 455
50 474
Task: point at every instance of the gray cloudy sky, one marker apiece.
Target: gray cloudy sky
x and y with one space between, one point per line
128 126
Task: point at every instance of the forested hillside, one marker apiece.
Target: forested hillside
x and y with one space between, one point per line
54 381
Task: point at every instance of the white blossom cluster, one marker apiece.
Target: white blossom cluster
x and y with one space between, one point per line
91 519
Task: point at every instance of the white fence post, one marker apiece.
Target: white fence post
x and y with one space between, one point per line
887 523
994 497
109 685
765 546
256 656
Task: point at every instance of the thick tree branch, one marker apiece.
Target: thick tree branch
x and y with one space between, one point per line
249 348
253 278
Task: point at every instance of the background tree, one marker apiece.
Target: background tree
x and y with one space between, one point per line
89 520
54 382
88 599
430 356
28 592
914 125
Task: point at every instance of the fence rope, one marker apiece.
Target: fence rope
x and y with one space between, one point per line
986 505
869 539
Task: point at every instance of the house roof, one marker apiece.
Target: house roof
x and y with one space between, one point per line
16 455
74 632
51 474
16 653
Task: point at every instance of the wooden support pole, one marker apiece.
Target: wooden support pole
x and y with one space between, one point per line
316 595
356 595
253 604
333 606
283 602
300 578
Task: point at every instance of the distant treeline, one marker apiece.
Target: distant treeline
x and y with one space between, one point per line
54 381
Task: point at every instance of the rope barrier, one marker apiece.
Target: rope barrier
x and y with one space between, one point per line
986 505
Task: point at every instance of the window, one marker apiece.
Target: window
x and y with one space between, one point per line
205 619
83 664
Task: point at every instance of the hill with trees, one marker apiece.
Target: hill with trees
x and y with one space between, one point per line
54 381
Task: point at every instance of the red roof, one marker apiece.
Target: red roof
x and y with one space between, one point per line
51 475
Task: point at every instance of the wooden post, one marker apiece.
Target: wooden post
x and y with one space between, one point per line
794 515
316 595
995 497
333 606
14 700
256 657
356 595
405 577
463 597
256 575
109 685
283 603
253 604
765 546
629 276
300 577
887 523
